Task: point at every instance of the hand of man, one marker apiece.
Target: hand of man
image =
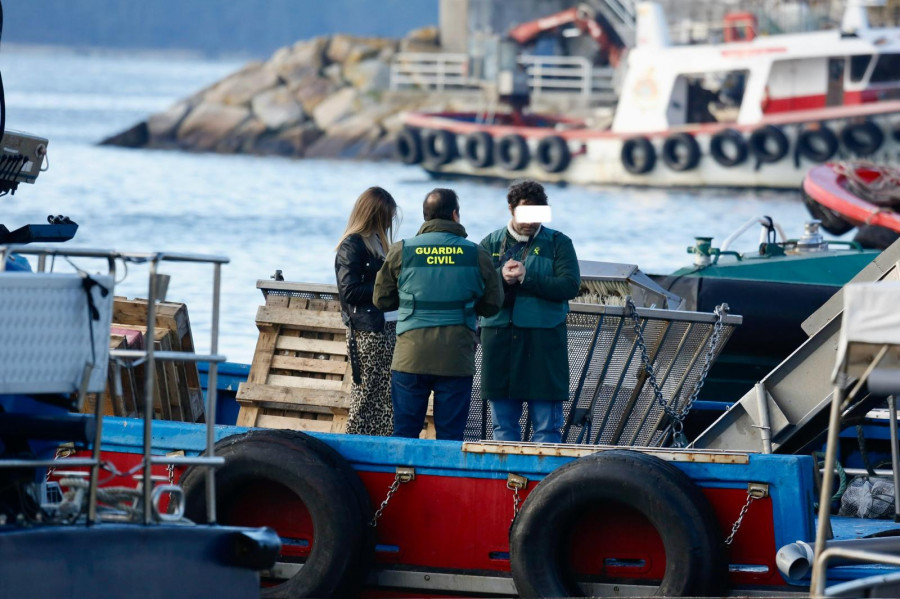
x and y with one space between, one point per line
513 272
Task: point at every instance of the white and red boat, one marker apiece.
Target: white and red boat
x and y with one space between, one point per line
758 112
853 194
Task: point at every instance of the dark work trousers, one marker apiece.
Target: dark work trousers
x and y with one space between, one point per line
409 395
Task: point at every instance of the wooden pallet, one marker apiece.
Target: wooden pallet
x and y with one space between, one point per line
300 376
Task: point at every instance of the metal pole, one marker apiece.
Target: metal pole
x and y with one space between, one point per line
834 430
211 393
820 567
765 427
98 410
150 369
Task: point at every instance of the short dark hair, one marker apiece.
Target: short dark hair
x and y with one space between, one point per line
440 203
526 192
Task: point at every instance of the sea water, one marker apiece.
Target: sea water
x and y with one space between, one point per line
268 213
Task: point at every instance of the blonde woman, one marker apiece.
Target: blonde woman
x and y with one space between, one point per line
370 333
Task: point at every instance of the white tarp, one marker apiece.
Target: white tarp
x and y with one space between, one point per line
871 315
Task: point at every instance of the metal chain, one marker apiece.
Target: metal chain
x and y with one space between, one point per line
62 452
171 471
740 519
393 489
677 417
515 483
404 475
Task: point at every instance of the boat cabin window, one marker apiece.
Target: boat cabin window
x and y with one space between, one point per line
708 97
859 64
887 69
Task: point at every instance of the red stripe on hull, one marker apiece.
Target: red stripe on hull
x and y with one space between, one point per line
776 105
462 524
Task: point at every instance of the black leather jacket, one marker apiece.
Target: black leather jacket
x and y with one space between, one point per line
355 269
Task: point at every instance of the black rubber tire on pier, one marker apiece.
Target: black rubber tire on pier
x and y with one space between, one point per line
409 146
478 149
769 144
720 140
511 153
681 152
863 139
665 496
553 154
831 221
329 488
438 147
818 144
638 155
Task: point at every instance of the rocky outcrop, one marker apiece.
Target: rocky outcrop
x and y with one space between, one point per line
325 98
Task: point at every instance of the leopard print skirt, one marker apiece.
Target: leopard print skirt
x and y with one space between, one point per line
370 401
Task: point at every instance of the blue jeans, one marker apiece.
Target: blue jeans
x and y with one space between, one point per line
409 396
546 420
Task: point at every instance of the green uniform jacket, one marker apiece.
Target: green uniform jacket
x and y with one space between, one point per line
443 350
531 362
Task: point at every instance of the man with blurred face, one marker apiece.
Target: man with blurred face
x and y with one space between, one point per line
524 347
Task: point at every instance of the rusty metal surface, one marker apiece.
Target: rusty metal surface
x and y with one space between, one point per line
576 451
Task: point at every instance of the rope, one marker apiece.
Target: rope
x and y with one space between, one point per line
863 450
874 182
842 477
604 292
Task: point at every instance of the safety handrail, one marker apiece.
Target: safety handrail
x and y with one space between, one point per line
149 355
558 74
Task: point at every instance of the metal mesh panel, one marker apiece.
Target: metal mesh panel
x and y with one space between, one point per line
324 292
611 402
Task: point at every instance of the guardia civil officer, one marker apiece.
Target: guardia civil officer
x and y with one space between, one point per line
439 282
524 347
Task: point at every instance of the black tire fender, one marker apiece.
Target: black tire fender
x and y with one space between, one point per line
717 145
511 152
478 149
688 158
875 237
769 144
665 496
438 146
322 480
818 144
409 146
863 139
831 221
553 154
632 149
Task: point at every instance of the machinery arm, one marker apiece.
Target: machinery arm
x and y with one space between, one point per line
583 17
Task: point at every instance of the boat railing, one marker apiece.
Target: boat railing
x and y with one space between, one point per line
437 71
613 400
547 75
46 261
867 368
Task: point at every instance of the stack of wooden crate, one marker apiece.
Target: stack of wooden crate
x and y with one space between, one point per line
177 393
